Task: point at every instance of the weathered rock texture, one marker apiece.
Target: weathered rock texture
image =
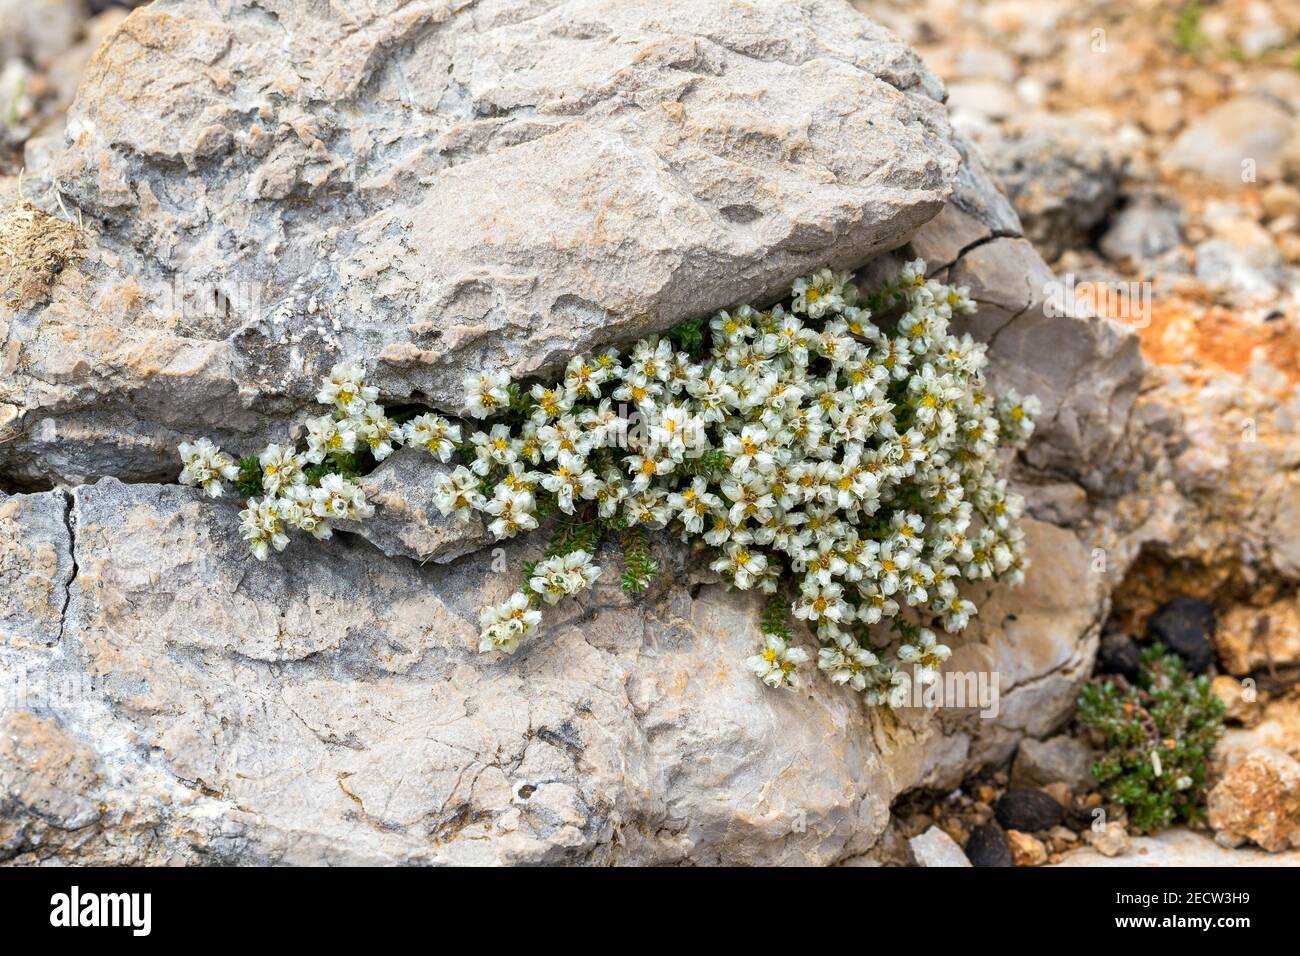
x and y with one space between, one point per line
330 706
443 186
447 187
1258 799
1180 847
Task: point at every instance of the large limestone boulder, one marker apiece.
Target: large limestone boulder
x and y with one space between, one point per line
330 706
440 188
443 186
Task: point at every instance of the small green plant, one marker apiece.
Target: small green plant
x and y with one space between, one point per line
14 112
1157 739
641 569
1188 35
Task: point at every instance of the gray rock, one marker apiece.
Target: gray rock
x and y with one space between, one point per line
985 98
450 193
36 567
1249 272
1258 799
976 212
329 706
443 187
1179 848
1059 759
39 32
1143 230
1111 840
1086 370
406 521
1239 142
1061 176
935 848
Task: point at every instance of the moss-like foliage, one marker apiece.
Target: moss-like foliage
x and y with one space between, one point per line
1157 739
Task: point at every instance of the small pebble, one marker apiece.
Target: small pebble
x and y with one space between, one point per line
988 846
1028 810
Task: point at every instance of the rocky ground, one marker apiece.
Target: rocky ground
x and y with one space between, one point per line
215 220
1152 150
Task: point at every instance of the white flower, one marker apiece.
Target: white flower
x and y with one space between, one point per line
749 450
434 434
926 654
486 393
694 505
551 403
847 664
327 435
207 466
676 430
812 450
818 294
493 449
744 564
378 431
644 468
1017 414
565 435
458 493
281 467
563 575
886 686
568 480
887 564
775 664
512 512
822 602
262 526
338 499
297 509
582 378
346 388
502 626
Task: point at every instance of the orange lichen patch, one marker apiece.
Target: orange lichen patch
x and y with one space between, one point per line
1180 330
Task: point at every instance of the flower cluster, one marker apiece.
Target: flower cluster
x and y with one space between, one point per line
838 454
848 447
207 466
289 487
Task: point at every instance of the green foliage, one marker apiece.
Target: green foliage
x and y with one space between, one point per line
11 118
349 464
1157 739
689 337
249 482
775 619
1188 35
520 401
526 586
711 464
570 536
639 568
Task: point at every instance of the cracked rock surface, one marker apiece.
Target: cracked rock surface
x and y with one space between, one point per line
329 705
444 186
166 698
